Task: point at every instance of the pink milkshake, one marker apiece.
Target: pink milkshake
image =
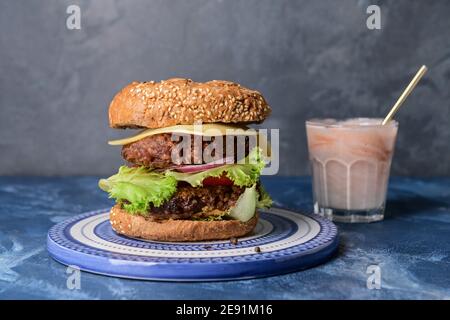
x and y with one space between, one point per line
350 162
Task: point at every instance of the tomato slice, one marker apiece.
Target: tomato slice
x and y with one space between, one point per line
217 181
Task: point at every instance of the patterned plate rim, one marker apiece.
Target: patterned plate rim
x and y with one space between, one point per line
315 251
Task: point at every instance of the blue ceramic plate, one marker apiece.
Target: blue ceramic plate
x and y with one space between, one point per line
288 242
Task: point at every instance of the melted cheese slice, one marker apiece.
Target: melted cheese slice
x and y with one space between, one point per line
209 130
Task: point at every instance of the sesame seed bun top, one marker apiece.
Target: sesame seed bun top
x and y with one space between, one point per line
183 101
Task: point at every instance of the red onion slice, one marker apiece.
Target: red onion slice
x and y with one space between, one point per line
191 168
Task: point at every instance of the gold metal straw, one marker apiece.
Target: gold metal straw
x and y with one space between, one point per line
405 94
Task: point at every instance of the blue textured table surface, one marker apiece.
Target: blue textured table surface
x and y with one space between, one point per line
411 247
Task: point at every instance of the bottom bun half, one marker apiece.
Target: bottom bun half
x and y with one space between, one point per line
177 230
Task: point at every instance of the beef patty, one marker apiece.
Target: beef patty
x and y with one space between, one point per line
189 202
156 151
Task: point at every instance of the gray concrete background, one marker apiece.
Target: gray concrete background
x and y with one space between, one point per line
309 58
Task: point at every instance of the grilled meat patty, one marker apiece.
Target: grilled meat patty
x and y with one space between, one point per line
156 151
189 202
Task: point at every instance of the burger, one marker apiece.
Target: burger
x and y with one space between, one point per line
193 170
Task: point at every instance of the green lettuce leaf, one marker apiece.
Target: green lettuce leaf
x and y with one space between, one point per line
137 188
264 201
243 174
